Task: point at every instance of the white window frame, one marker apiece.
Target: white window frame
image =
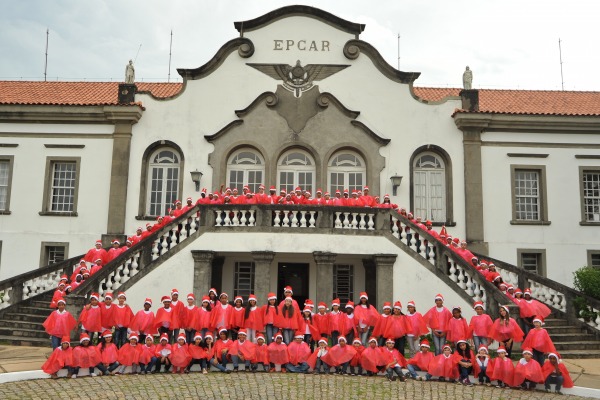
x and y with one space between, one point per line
53 191
6 172
250 165
429 187
297 164
167 196
590 195
346 170
529 195
49 248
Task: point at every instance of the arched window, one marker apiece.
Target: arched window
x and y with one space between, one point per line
429 182
296 168
346 170
163 180
245 167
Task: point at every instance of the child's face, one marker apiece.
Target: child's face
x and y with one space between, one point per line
205 304
482 353
372 344
349 310
387 311
537 324
447 351
439 302
272 302
94 302
223 335
133 341
424 349
108 339
462 346
456 313
335 308
279 339
61 306
397 311
356 344
322 344
411 309
121 301
260 341
502 354
209 340
479 310
389 345
321 311
149 341
174 296
164 342
146 306
65 345
198 341
252 303
108 301
181 341
527 356
238 303
166 304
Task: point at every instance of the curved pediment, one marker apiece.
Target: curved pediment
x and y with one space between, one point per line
244 47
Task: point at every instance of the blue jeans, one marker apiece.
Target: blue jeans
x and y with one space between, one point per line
483 375
412 370
439 343
189 335
390 371
320 363
270 331
556 379
300 368
110 368
479 340
342 369
55 340
464 372
148 367
236 361
288 336
217 365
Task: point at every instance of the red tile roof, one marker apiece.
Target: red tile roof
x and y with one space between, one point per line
75 93
534 102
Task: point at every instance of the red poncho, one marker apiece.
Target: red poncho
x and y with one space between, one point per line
59 324
122 316
480 325
526 309
85 357
164 317
278 353
457 329
254 320
529 370
366 315
107 314
147 353
501 369
548 369
539 340
129 355
347 324
417 325
108 354
180 356
443 367
356 359
287 322
93 254
298 352
268 314
262 354
221 345
501 332
177 316
161 350
339 355
397 326
58 360
334 320
381 325
189 317
437 320
219 316
143 322
422 360
236 317
370 358
539 308
312 360
393 356
197 352
202 319
305 325
91 319
321 322
58 294
247 349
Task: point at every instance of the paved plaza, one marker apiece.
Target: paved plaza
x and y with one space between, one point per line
246 386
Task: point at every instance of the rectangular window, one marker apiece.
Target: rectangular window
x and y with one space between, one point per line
337 182
61 186
286 181
6 166
594 258
343 282
243 284
305 181
236 180
590 186
529 195
53 252
532 260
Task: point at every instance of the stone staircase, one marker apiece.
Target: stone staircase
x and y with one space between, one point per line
572 341
23 325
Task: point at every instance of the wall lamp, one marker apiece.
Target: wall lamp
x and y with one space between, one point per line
396 181
196 177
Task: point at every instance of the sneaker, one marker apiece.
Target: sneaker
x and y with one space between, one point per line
93 375
235 369
391 378
419 378
204 371
402 378
73 376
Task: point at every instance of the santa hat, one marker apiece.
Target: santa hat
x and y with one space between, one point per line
177 202
350 304
208 335
518 291
251 297
117 242
108 295
461 341
527 291
83 337
106 333
121 294
298 189
323 341
65 339
164 336
456 240
148 225
134 335
97 259
555 355
189 199
335 302
205 299
309 303
387 305
307 309
342 337
99 242
501 349
390 340
425 343
506 309
446 346
242 332
278 334
191 296
82 261
338 191
64 278
398 305
356 341
174 291
478 304
364 295
443 231
288 289
346 191
439 297
223 295
260 336
322 305
527 350
538 319
327 194
372 339
273 188
149 337
483 347
61 284
271 296
411 303
165 299
213 290
319 191
61 300
299 335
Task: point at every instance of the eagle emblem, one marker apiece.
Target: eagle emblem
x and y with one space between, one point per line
298 79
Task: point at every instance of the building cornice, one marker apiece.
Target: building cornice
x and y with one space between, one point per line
527 123
69 114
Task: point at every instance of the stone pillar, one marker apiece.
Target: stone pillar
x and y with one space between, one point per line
202 271
324 261
119 175
473 190
262 274
384 266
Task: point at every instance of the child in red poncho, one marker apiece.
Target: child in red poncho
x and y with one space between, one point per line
122 317
236 317
539 341
278 355
501 369
398 326
321 321
528 372
61 357
162 352
84 356
203 317
366 317
372 359
166 318
339 356
334 321
222 348
444 366
465 360
59 324
457 327
394 361
287 319
91 317
180 356
209 347
506 331
381 325
315 361
198 354
481 366
189 314
306 326
347 322
108 354
148 355
252 319
143 321
298 354
129 354
262 354
355 362
555 373
480 326
437 319
242 350
269 314
420 361
417 327
59 293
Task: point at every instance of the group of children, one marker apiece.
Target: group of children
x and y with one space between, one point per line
281 338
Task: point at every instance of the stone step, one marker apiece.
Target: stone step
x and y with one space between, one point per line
553 330
25 341
26 317
23 332
34 310
21 324
587 345
572 337
556 322
41 304
574 354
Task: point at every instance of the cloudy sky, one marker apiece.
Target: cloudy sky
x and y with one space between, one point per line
509 44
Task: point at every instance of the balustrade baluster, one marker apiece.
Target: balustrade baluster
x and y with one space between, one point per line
243 218
362 224
227 221
294 220
276 220
303 219
311 221
452 271
461 277
218 219
252 219
286 218
338 221
346 220
371 223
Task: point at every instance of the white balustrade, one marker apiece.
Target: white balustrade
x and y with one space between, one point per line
338 221
277 220
5 297
312 220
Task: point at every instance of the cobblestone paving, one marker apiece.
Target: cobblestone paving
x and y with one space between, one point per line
248 386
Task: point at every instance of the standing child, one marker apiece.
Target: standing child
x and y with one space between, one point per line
287 319
334 321
59 324
355 362
444 366
203 317
311 333
397 328
148 355
252 319
90 317
315 361
177 315
348 323
220 314
417 327
164 318
506 331
270 313
366 317
188 320
143 321
501 369
528 372
129 354
236 318
321 321
107 313
480 326
437 319
539 341
457 328
381 325
61 357
480 368
84 356
180 356
420 361
122 319
556 373
108 354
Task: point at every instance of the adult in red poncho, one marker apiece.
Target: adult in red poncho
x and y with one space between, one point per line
528 372
501 369
506 331
339 356
444 365
61 357
298 354
84 356
59 324
278 355
555 373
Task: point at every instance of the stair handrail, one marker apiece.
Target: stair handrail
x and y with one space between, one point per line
556 295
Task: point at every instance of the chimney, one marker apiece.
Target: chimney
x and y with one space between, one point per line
127 93
470 99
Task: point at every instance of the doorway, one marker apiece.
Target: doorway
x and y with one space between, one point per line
296 276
